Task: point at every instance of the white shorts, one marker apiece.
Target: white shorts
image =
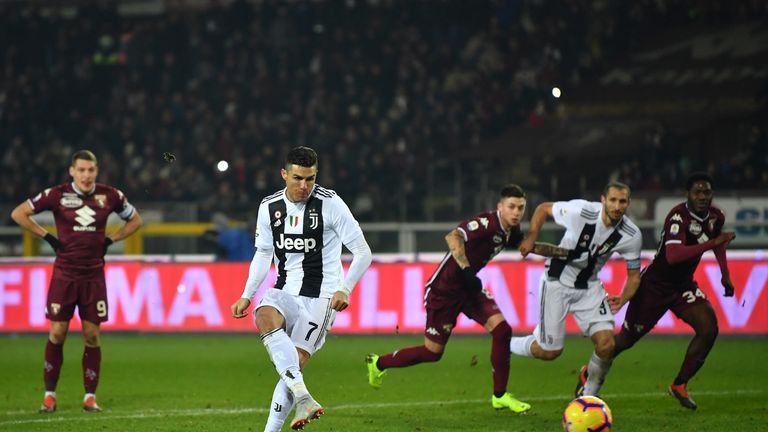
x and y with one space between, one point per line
307 319
589 308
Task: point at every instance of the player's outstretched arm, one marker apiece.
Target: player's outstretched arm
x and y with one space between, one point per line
629 290
549 250
540 215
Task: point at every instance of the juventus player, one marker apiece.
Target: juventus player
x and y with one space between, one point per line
455 288
303 226
690 229
80 210
593 231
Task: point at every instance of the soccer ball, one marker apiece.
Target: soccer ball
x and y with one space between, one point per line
587 414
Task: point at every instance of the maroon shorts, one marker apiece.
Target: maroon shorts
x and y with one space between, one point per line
89 294
653 299
442 311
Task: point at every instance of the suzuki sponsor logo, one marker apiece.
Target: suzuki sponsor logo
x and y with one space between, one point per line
85 219
295 244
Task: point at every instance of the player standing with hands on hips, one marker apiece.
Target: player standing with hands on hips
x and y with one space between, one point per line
690 229
80 210
302 227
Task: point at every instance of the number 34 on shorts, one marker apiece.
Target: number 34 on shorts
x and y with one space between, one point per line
690 295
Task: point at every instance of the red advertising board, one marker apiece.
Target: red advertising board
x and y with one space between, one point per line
183 297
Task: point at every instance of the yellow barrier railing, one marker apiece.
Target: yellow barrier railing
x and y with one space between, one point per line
134 245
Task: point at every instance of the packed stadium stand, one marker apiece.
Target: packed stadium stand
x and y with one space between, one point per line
418 109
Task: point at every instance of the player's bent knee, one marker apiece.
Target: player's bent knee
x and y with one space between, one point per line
431 356
268 319
502 331
432 351
548 355
604 349
709 333
91 340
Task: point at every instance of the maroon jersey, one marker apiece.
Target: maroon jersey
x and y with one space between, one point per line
80 222
485 238
683 227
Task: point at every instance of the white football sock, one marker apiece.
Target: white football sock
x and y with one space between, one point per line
522 345
282 404
597 369
286 360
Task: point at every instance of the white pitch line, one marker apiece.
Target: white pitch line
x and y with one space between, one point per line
49 418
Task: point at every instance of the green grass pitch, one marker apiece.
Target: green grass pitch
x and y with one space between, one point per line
224 383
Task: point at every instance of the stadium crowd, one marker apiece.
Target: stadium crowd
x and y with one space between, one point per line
381 89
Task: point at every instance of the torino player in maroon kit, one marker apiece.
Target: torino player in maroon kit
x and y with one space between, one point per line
455 288
80 210
690 229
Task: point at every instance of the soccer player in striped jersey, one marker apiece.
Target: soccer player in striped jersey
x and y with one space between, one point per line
455 288
302 227
690 229
593 232
80 209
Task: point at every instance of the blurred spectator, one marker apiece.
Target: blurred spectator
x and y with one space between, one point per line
384 88
232 242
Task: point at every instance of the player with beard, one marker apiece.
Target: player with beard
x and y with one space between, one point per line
690 229
593 231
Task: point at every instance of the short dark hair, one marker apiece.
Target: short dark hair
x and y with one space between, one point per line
84 155
617 185
512 191
697 177
301 156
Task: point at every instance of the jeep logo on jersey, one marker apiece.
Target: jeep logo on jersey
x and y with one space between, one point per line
291 243
85 219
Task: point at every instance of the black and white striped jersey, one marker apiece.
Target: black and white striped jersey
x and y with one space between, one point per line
306 239
591 243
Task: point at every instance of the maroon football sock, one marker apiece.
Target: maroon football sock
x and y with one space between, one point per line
500 357
407 357
54 357
91 366
688 370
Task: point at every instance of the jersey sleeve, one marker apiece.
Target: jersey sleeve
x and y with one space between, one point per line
631 253
263 236
675 227
344 223
45 200
123 208
719 223
515 238
476 227
567 213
